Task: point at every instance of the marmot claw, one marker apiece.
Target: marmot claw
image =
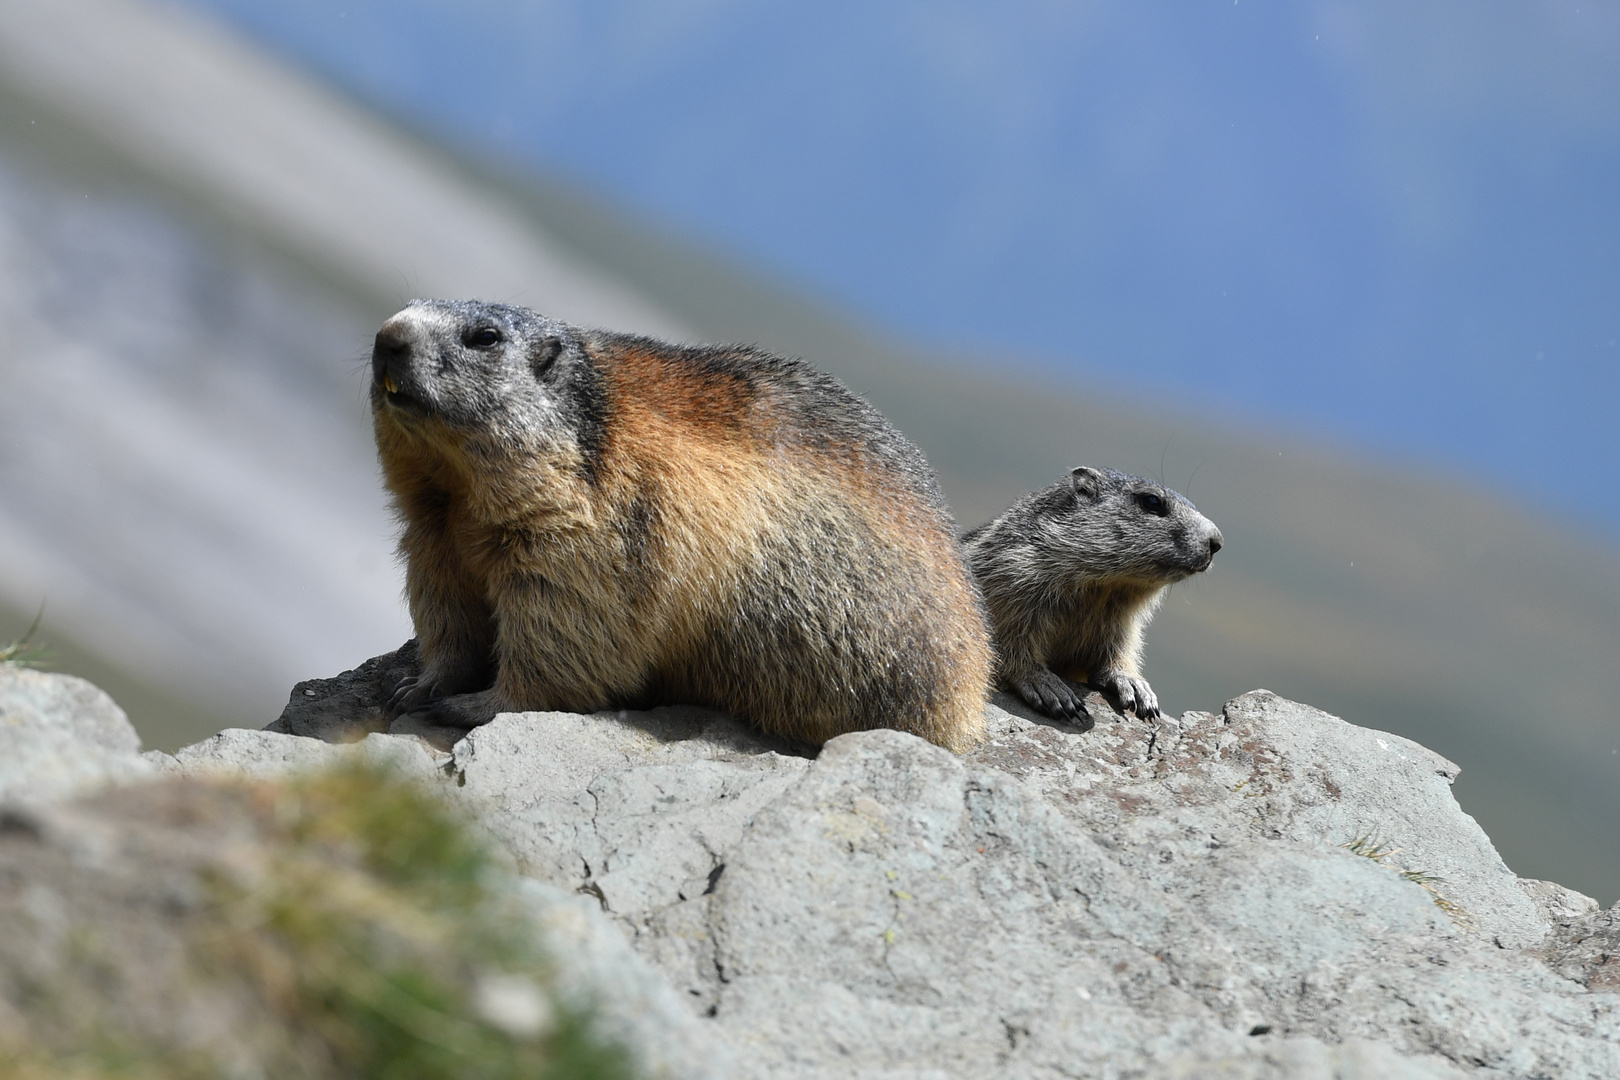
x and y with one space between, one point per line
1134 694
1055 696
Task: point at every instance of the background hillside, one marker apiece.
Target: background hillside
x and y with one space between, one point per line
196 244
1391 223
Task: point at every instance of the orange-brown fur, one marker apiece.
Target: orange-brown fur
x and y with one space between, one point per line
548 581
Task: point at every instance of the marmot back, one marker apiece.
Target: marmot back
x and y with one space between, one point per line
1073 573
595 520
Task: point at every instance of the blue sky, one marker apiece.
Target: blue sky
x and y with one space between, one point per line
1396 225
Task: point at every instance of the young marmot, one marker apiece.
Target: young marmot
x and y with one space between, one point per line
595 520
1073 573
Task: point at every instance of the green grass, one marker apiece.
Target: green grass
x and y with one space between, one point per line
25 651
371 934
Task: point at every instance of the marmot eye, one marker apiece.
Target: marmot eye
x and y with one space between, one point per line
484 337
1151 503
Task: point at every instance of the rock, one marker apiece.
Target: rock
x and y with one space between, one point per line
1270 769
596 970
635 809
348 706
243 752
900 902
1268 892
60 735
1556 903
1586 949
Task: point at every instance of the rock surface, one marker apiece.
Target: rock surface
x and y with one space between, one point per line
1586 949
1268 892
60 735
346 707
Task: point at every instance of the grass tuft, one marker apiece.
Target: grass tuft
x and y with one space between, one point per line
25 652
1370 845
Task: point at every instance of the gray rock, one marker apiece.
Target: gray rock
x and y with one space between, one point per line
900 903
243 752
1586 949
348 706
632 1003
1272 769
634 808
60 735
1555 902
1270 892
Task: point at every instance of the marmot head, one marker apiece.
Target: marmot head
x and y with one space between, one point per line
1111 524
467 372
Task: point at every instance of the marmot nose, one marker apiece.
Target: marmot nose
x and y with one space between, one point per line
1214 542
392 341
392 347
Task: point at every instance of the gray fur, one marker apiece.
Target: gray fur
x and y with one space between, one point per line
1073 573
535 378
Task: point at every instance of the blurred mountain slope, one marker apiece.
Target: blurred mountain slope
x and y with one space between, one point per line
286 159
195 248
186 474
1395 222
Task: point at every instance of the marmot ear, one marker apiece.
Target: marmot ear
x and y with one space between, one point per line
1086 481
544 354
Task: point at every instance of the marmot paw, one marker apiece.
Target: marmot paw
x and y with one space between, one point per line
414 694
1049 693
462 710
1134 694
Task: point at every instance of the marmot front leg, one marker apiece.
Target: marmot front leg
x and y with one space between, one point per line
548 657
454 626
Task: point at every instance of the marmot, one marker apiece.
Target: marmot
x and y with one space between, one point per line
595 520
1073 573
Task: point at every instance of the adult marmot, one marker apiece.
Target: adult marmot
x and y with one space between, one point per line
595 520
1073 573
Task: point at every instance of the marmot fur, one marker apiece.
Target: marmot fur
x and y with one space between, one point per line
1073 573
595 520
